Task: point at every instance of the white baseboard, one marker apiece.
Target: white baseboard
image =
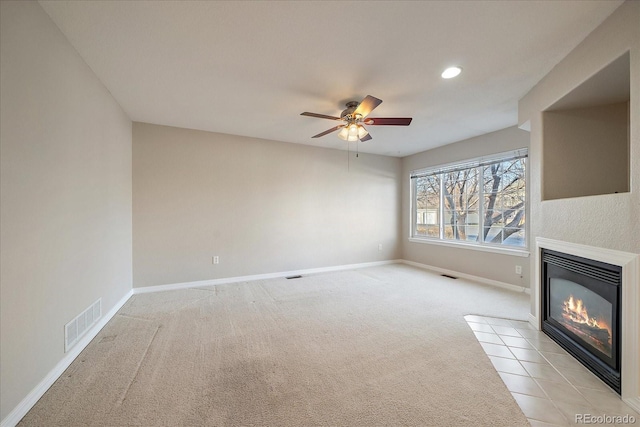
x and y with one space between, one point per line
30 400
634 402
533 321
236 279
471 277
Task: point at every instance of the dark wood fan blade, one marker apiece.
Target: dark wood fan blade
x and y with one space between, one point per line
366 138
367 105
328 131
320 116
389 121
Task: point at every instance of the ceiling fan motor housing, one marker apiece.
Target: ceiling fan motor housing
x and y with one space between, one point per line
347 114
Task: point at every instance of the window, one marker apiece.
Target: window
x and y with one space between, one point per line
480 202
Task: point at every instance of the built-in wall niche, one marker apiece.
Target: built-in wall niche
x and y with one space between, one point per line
585 148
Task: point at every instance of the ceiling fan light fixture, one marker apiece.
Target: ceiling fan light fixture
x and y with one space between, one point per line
362 132
353 132
344 133
451 72
352 138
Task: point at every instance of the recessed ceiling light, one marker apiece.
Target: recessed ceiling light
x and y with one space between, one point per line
451 72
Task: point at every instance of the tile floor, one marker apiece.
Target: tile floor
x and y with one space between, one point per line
550 386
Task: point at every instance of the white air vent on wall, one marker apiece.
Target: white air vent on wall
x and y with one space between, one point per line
75 329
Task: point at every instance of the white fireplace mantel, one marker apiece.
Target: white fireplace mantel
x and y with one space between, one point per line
630 304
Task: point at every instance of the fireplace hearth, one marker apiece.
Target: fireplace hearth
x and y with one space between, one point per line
581 311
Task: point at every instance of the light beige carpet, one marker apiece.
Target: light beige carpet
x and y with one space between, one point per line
383 346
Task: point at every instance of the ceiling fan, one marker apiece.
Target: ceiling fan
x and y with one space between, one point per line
355 116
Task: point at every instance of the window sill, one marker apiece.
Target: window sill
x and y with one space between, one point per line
483 248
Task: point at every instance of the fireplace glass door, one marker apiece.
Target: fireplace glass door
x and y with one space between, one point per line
581 303
582 312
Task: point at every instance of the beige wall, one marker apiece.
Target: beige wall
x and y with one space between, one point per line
261 206
493 266
585 151
65 196
608 221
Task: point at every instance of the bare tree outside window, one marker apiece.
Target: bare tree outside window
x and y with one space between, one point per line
482 204
504 204
461 204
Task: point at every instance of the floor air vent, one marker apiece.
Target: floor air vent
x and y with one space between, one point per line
450 277
76 329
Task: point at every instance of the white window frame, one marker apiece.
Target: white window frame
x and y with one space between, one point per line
480 245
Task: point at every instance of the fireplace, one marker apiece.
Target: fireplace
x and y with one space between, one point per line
581 311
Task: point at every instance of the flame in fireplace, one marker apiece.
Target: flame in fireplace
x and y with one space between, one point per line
575 311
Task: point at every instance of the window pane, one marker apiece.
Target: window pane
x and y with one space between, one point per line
461 198
433 231
504 202
514 236
472 233
472 226
428 206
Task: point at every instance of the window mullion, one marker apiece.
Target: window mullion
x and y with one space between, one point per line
414 209
481 204
441 206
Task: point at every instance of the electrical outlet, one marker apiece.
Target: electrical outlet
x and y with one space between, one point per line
216 259
379 246
518 269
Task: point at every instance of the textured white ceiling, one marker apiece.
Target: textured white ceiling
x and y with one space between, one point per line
250 68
